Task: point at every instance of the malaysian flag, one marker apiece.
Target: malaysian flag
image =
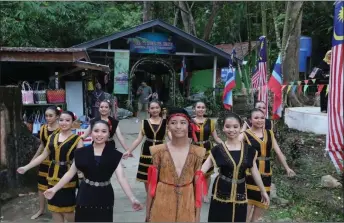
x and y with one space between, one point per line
183 71
275 84
229 74
334 139
259 77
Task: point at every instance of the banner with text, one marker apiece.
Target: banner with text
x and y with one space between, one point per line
121 72
154 43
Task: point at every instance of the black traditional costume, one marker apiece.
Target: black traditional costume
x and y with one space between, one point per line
229 195
264 147
95 199
61 156
155 135
113 123
203 137
44 134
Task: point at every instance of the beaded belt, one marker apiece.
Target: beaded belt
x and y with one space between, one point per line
231 180
201 142
60 163
153 140
261 158
97 184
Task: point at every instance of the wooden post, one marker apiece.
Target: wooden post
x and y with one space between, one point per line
214 75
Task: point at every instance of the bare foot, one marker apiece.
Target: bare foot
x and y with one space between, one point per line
39 213
205 199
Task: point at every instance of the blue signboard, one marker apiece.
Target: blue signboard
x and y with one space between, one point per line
154 43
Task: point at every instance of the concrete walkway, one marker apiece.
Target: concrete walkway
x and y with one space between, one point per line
22 208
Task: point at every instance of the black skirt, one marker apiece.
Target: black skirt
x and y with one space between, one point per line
93 214
227 212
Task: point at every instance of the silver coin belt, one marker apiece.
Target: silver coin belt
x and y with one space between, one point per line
201 142
154 140
60 163
230 180
97 184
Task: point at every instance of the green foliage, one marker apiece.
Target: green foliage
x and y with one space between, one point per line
308 201
63 24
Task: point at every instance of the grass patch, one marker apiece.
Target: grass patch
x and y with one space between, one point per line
309 202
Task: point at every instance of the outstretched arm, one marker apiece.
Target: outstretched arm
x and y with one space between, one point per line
282 158
124 183
34 162
216 137
258 180
38 152
66 178
137 141
207 165
121 139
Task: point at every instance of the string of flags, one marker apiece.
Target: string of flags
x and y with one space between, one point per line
301 86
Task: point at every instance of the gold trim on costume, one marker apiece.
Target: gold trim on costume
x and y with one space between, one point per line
61 209
146 157
143 173
57 153
235 173
263 145
258 204
154 132
142 127
42 187
42 174
256 188
146 165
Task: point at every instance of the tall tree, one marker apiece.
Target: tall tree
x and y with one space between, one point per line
147 12
210 23
291 45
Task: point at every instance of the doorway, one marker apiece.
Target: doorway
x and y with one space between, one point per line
158 74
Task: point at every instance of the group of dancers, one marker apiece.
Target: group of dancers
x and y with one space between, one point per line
176 162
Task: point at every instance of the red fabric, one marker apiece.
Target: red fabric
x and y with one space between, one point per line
152 179
194 127
201 188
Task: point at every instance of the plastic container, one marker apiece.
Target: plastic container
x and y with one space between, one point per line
303 60
306 43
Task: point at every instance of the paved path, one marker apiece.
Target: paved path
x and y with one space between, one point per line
20 209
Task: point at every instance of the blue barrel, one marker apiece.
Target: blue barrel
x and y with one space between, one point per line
306 43
303 60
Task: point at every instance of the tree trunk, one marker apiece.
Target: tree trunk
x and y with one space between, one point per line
176 17
17 143
264 27
277 32
185 17
191 20
147 14
210 23
263 6
290 48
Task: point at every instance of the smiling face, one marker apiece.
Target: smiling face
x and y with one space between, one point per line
104 109
154 109
261 106
257 119
65 122
231 128
178 126
200 109
100 133
50 116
